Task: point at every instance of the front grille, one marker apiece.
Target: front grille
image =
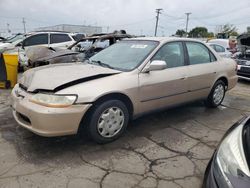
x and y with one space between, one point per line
244 74
245 69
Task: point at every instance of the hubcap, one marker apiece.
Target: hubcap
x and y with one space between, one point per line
218 94
110 122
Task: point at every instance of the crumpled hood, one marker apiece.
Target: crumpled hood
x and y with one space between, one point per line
244 39
44 53
59 76
244 43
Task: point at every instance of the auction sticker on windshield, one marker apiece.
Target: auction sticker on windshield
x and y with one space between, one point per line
142 46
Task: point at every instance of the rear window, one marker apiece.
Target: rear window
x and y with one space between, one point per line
219 48
58 38
77 37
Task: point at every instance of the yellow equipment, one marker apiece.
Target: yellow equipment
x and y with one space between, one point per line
8 70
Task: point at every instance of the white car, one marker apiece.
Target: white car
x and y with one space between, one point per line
221 50
48 39
11 43
222 42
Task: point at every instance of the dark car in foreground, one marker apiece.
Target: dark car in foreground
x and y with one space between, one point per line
229 166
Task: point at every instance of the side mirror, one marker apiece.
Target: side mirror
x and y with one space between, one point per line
155 65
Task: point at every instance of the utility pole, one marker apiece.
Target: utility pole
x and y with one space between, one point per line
8 28
158 12
188 13
24 28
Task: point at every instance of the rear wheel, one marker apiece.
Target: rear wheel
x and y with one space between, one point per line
216 95
108 121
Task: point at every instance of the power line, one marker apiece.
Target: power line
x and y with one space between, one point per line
223 13
173 17
158 12
132 23
172 22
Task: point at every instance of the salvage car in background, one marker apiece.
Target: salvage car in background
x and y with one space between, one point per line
229 166
228 44
243 56
122 82
47 39
79 51
221 50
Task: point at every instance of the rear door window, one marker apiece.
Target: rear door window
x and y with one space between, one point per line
59 38
198 53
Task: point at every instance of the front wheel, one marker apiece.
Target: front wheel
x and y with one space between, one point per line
108 121
216 95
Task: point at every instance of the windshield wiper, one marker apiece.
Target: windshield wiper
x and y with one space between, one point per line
102 64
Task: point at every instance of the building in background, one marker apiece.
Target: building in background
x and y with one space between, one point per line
88 30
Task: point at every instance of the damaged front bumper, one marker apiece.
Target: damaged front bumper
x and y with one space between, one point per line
45 121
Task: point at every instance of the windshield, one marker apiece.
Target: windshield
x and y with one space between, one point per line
125 55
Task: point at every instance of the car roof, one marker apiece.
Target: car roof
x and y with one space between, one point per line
165 39
46 32
211 43
219 40
106 36
222 42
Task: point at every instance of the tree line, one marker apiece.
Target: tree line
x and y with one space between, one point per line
202 32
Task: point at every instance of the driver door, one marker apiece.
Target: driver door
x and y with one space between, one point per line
163 88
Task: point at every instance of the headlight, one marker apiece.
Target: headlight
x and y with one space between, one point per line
230 158
54 101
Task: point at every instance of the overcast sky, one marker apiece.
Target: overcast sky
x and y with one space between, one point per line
136 16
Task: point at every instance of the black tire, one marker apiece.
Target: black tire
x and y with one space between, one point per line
95 117
211 101
20 69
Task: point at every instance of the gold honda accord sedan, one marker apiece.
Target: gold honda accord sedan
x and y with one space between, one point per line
130 78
